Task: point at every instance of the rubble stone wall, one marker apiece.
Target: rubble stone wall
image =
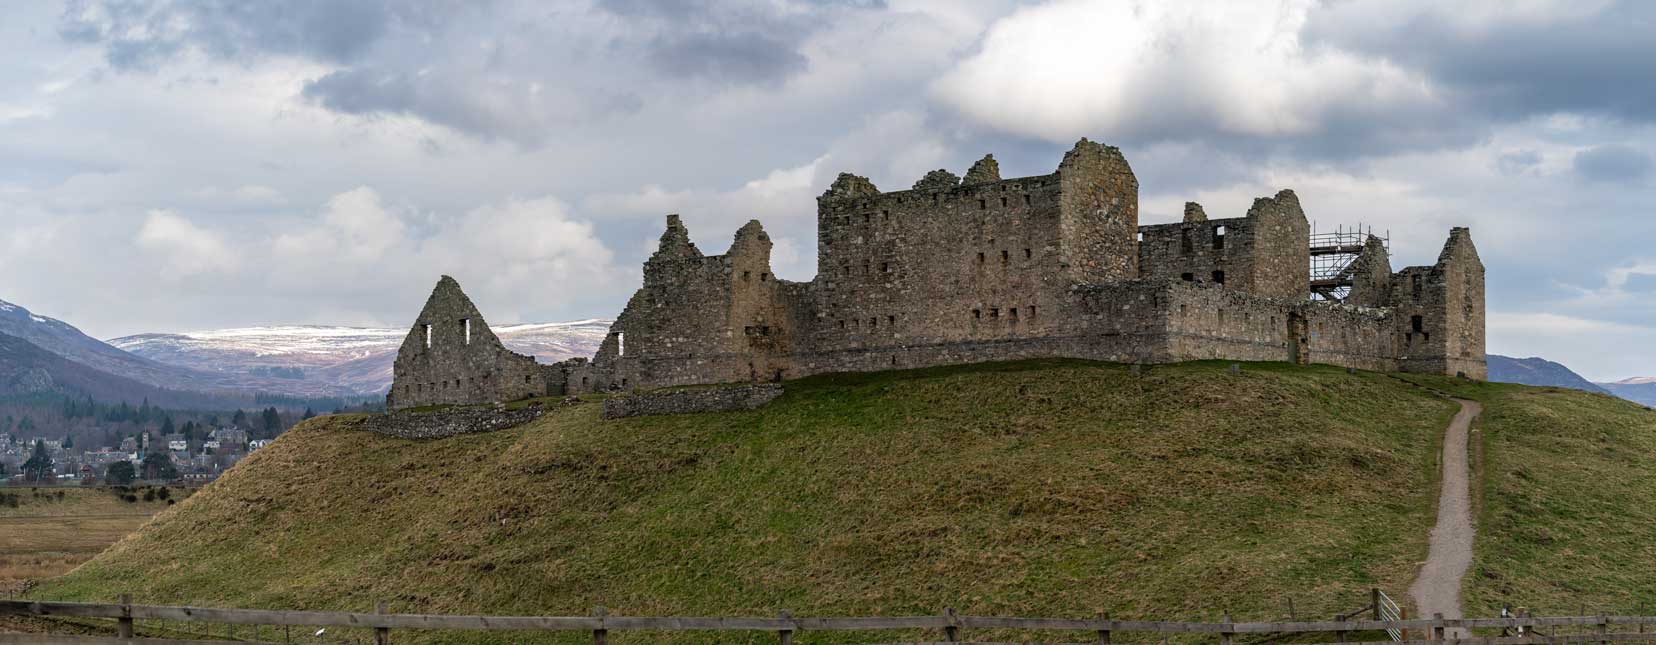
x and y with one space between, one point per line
714 399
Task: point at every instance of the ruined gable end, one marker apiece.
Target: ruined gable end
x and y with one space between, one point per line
939 179
451 357
985 171
1371 275
675 241
849 185
1193 213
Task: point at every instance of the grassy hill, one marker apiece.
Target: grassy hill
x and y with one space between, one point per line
1047 487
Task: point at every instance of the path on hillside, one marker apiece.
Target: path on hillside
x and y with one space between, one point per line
1437 588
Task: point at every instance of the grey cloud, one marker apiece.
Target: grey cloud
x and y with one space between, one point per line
504 109
1641 283
1518 162
140 35
1600 64
747 57
1612 163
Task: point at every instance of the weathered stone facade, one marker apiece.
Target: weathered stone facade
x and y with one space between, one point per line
451 357
983 269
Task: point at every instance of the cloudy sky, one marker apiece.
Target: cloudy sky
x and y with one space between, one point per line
191 164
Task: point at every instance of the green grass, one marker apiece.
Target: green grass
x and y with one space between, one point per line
1567 512
1056 488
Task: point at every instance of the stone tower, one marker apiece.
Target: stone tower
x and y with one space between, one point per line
1440 312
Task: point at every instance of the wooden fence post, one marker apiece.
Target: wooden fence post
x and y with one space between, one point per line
785 636
123 627
1104 628
382 635
951 630
600 636
1603 628
1437 628
1227 637
1292 617
1374 603
1403 614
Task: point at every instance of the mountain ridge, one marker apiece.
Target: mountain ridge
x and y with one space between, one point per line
1538 371
339 359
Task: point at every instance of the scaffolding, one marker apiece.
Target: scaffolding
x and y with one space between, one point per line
1332 255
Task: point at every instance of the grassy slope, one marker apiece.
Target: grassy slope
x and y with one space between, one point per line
1567 502
1047 488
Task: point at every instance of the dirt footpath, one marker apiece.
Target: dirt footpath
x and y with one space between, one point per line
1437 588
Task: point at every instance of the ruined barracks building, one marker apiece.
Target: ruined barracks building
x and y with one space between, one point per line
988 269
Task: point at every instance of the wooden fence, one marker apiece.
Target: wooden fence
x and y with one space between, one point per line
947 626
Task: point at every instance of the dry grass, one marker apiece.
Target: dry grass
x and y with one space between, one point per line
1038 488
53 530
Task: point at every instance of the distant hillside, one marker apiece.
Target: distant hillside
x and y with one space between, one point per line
63 339
66 341
317 360
1639 389
27 370
1048 488
1537 371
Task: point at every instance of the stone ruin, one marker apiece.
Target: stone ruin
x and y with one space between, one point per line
987 269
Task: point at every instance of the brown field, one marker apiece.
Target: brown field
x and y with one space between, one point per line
51 531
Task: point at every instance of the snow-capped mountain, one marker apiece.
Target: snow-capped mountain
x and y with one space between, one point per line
65 340
1639 389
313 360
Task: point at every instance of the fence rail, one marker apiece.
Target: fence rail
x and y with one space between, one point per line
949 624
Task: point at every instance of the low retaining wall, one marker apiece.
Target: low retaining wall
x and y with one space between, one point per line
449 422
720 399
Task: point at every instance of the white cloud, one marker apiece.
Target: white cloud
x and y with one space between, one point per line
516 257
184 249
1073 67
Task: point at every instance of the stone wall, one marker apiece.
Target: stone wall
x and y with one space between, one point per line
1265 253
715 399
450 356
448 422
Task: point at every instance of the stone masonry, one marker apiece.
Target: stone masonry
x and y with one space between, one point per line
982 269
451 357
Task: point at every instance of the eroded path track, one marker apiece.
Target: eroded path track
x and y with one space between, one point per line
1437 588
